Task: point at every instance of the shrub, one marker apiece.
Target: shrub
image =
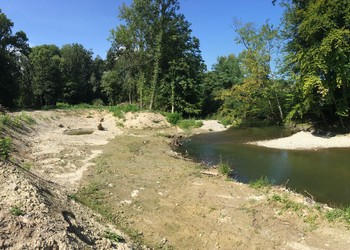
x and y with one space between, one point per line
5 148
97 102
63 105
190 123
173 118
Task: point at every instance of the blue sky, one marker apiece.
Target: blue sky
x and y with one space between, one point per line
88 22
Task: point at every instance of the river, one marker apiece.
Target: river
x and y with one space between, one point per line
324 173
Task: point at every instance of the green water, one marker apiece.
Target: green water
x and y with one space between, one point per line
325 174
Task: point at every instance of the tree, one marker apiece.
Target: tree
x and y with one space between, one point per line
76 69
47 82
258 96
152 41
98 67
225 73
12 48
318 34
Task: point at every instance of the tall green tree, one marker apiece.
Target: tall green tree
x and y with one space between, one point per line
76 69
153 43
259 94
318 34
13 47
225 73
47 81
98 67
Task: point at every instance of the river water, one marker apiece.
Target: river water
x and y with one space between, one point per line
324 173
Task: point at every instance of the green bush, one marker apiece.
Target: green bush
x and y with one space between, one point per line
63 105
98 102
120 110
173 118
5 148
190 123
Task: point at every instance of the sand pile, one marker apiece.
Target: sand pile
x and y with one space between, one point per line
306 141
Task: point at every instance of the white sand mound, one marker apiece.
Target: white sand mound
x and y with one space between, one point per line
305 140
213 125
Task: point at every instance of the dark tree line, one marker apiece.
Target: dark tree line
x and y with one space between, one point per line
45 74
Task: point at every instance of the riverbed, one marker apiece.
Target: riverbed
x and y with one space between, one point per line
321 173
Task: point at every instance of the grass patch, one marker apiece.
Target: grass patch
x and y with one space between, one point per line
5 120
119 110
15 121
16 211
262 183
93 197
224 169
113 236
339 214
5 148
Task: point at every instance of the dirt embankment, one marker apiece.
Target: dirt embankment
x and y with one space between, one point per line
36 206
130 173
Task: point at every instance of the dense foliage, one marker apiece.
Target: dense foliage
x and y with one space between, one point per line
155 62
318 46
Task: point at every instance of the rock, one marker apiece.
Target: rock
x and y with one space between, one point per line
100 127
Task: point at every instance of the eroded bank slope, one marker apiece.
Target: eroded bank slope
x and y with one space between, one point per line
36 207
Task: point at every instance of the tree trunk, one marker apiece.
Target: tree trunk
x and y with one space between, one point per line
279 107
172 98
156 70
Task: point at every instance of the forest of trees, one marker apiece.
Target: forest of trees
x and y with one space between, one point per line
155 62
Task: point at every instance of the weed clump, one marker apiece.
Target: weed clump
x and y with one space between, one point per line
113 236
224 169
339 214
262 183
5 148
16 211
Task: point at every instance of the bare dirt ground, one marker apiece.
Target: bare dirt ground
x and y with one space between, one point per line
151 193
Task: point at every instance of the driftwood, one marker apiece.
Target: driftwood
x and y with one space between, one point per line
79 131
209 173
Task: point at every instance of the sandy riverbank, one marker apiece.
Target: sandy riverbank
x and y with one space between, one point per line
129 173
306 141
